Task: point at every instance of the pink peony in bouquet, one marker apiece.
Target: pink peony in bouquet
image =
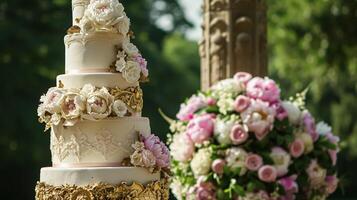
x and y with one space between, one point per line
239 140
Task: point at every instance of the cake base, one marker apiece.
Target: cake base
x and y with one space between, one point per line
101 183
157 190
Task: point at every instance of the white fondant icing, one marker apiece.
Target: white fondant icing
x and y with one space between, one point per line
87 176
94 52
78 8
96 143
110 80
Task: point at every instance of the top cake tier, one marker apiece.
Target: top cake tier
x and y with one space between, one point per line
99 41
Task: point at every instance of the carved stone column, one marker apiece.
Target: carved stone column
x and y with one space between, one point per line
234 39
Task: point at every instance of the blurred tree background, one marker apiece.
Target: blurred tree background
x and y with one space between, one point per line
311 44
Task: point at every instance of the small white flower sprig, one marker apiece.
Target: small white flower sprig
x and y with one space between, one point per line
151 153
131 63
89 103
240 140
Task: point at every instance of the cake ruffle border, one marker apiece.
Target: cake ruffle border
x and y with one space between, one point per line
156 190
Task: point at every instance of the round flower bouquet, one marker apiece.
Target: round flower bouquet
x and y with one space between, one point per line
240 140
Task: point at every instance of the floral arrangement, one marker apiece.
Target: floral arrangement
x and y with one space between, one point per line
150 153
105 15
240 140
131 63
68 106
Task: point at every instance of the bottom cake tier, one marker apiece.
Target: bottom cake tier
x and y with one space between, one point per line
101 183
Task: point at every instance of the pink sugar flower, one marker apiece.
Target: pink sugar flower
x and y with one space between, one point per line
241 103
267 173
200 128
253 162
238 135
159 149
264 89
297 148
142 63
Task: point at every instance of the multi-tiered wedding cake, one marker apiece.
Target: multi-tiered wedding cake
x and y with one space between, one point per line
101 146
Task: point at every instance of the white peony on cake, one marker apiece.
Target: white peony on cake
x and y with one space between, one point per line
101 146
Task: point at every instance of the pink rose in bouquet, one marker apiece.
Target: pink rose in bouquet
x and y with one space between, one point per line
188 109
241 103
259 117
253 162
297 148
218 166
263 89
249 144
200 128
332 183
238 134
267 173
242 77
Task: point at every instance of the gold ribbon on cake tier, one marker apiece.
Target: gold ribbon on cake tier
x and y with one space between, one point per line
157 190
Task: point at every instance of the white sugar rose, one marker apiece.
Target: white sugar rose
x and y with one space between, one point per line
72 106
104 13
201 162
120 108
235 158
222 130
120 64
51 101
294 113
131 72
123 25
99 104
130 48
142 157
87 89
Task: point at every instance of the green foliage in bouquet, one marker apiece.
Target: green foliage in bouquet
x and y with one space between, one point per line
241 140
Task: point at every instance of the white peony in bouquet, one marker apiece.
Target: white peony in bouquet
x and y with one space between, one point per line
240 140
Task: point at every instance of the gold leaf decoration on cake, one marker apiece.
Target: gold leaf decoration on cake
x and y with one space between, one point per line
131 96
157 190
73 29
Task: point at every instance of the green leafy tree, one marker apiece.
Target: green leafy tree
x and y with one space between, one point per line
313 44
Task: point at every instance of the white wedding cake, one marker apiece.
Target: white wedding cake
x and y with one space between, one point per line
101 146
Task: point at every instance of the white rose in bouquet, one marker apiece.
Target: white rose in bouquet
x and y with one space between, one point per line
294 113
201 162
235 158
222 130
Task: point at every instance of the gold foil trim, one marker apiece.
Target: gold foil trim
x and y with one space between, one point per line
157 190
132 97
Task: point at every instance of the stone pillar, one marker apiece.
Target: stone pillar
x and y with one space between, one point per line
234 39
